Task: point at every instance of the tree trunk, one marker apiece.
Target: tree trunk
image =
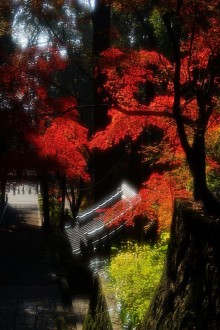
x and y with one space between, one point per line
101 41
63 197
3 191
102 161
46 204
195 154
78 200
196 159
188 296
101 26
6 41
7 47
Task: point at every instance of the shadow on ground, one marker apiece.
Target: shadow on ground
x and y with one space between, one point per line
30 295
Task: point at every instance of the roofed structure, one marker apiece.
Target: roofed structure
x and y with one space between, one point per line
92 225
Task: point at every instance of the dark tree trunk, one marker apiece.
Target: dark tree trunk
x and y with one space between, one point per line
106 164
46 203
101 26
72 202
101 41
3 192
63 197
75 201
195 153
7 46
79 198
102 162
196 158
188 295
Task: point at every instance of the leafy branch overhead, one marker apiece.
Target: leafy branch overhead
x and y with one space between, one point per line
67 101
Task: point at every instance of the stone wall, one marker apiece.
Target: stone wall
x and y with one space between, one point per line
189 293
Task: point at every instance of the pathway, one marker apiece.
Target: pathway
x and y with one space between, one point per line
30 295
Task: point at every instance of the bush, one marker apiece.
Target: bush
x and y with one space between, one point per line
134 275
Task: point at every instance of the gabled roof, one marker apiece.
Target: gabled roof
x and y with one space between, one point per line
93 225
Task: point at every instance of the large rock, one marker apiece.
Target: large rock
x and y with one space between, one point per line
189 293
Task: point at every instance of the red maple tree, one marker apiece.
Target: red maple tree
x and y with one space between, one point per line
184 103
63 142
44 127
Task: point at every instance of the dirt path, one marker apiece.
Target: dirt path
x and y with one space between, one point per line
30 294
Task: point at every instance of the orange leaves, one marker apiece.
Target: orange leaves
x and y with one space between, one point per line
157 196
154 201
64 105
42 93
178 96
126 71
28 76
199 59
121 126
127 5
64 143
127 74
8 75
113 53
133 109
122 212
52 125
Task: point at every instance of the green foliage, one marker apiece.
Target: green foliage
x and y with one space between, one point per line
160 31
40 202
213 179
55 212
157 23
134 275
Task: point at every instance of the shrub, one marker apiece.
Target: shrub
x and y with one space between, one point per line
134 275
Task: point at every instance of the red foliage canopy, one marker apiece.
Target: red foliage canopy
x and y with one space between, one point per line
63 144
34 118
184 98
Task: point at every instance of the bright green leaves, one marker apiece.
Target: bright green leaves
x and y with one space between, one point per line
135 274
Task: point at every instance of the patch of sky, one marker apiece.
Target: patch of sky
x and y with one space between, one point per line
88 3
27 32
